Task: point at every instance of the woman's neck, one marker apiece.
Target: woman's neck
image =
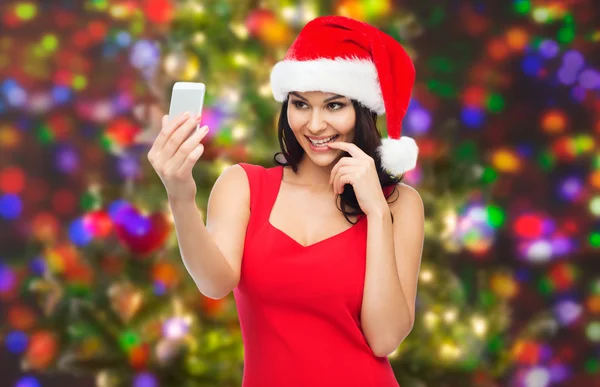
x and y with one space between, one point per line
309 175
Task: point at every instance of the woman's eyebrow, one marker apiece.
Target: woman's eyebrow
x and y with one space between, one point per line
325 100
332 98
299 96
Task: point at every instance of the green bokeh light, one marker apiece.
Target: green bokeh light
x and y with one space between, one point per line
44 134
496 344
545 286
595 286
26 11
568 19
467 151
487 298
79 82
88 201
522 6
224 137
546 160
129 340
496 216
495 103
442 89
489 175
441 64
592 366
595 239
566 35
50 42
437 15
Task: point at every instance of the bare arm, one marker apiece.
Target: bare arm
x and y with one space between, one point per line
393 261
212 254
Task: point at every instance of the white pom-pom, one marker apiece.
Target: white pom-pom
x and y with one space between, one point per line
398 156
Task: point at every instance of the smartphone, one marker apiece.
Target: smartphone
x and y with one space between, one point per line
187 97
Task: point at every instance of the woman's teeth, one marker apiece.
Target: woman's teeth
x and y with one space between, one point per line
322 143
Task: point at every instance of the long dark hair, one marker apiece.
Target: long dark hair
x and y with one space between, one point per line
366 137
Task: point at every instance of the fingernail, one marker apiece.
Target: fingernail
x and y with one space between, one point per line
185 115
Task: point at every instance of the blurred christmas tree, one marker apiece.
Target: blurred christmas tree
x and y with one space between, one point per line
113 298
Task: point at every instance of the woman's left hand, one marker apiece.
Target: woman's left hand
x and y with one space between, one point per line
359 171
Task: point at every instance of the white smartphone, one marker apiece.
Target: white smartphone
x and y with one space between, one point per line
187 97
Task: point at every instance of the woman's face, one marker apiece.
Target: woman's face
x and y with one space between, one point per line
320 116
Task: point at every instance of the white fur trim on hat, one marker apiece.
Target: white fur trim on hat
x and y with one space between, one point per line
398 156
353 78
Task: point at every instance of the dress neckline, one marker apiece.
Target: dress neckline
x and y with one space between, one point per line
277 190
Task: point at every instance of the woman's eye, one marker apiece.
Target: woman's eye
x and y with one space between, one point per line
298 104
330 106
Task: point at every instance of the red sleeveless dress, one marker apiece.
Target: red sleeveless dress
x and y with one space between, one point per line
299 306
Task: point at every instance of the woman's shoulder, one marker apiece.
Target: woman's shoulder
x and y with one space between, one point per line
249 165
406 189
407 196
256 172
400 187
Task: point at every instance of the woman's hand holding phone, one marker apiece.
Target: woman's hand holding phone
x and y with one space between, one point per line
175 152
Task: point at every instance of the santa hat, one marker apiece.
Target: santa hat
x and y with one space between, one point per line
336 54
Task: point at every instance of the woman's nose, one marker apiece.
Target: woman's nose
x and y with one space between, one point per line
316 123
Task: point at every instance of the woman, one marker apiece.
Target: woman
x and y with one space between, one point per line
323 268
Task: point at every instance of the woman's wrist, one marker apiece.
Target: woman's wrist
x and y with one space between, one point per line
181 203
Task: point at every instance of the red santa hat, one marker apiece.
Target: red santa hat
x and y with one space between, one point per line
336 54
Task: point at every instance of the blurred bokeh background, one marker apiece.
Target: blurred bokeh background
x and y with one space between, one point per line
506 114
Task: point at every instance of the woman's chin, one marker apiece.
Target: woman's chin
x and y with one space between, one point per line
322 159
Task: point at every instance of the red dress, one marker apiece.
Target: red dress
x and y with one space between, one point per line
299 306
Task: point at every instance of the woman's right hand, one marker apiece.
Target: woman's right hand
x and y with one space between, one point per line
175 152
